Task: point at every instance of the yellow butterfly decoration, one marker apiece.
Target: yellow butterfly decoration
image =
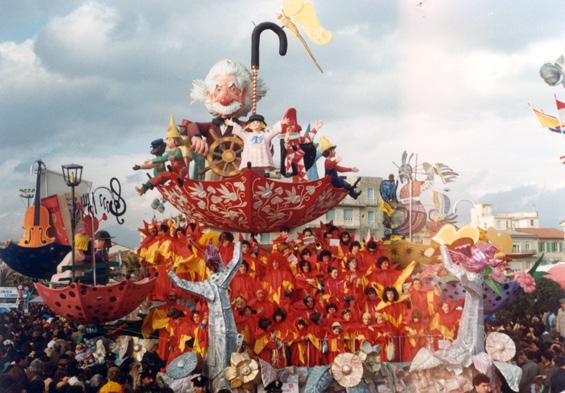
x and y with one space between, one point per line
303 14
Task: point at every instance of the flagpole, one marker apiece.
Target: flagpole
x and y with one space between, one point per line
413 174
559 115
560 122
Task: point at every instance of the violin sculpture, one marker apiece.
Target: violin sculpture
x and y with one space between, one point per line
36 221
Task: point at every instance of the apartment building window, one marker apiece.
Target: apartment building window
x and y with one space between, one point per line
527 246
531 223
330 215
515 248
371 218
560 246
348 215
371 195
553 246
541 247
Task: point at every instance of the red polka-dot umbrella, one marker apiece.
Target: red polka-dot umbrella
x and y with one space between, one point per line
96 304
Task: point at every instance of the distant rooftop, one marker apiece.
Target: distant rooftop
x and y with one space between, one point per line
542 233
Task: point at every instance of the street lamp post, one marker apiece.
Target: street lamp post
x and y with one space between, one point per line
27 194
72 173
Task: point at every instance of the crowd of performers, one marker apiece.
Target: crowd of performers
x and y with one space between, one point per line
302 302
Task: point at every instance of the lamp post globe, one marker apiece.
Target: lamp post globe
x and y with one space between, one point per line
72 174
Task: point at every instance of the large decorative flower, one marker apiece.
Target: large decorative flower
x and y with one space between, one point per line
498 275
242 371
500 347
347 369
370 355
526 281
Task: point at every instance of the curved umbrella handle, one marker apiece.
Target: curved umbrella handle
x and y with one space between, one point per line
256 36
255 40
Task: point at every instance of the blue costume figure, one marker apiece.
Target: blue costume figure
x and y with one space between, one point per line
388 190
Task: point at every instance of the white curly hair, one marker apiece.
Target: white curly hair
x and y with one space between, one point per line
201 88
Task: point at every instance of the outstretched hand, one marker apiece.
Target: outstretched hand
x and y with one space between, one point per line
319 124
199 146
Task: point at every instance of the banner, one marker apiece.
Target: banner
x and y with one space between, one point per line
60 217
54 183
9 297
106 201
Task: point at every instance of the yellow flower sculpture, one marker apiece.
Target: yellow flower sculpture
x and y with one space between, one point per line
242 372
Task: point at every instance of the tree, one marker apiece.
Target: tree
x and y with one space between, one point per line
11 278
545 298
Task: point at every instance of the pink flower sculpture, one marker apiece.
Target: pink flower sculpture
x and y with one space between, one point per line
498 275
475 258
526 281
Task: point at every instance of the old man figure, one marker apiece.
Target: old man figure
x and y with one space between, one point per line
227 94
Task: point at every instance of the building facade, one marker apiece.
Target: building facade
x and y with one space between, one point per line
358 216
483 217
361 215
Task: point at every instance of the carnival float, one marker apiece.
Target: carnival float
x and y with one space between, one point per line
315 311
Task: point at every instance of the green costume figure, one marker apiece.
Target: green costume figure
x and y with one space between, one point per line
157 149
173 154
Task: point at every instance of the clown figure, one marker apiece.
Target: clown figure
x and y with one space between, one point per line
293 154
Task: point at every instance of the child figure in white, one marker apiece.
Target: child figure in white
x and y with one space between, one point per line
257 138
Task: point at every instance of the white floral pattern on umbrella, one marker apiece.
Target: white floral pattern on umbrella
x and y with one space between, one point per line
252 203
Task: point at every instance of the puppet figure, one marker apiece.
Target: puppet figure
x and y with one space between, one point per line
257 140
173 154
293 154
102 244
184 147
332 168
157 149
226 93
81 248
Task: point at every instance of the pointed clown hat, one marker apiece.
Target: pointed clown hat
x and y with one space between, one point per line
172 131
290 116
325 144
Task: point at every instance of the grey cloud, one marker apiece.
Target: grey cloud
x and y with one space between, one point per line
550 204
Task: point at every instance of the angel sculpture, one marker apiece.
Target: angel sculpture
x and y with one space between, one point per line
222 330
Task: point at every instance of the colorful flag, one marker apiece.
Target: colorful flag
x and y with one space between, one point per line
547 121
560 109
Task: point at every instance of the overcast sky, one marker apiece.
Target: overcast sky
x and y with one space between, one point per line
94 82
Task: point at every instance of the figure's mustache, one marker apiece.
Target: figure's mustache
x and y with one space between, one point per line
223 110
